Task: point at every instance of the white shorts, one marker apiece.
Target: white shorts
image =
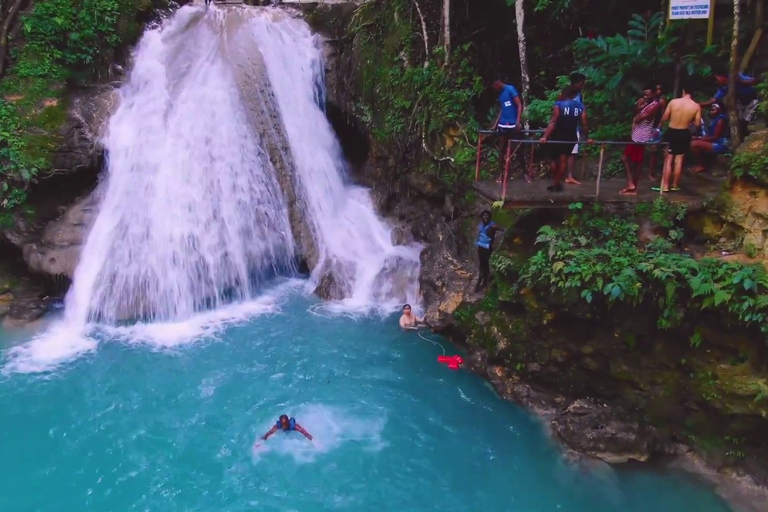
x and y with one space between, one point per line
576 146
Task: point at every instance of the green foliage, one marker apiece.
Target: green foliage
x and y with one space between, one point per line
597 258
751 163
61 42
618 67
408 105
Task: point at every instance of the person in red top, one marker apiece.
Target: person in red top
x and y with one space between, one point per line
642 132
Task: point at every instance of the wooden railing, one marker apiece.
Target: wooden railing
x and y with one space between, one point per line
482 134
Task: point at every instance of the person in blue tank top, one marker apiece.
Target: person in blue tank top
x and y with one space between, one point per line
485 234
746 98
578 82
507 121
287 424
714 141
567 115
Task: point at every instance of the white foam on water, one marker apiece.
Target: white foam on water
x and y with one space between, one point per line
330 428
192 221
352 238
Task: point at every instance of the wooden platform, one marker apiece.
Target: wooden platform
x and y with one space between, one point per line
695 189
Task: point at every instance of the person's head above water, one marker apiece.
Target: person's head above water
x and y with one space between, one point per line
285 423
407 309
485 216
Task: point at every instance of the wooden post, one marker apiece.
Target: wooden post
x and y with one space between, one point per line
479 149
529 170
599 171
507 159
711 25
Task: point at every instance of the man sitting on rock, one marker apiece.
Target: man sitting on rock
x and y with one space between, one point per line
408 320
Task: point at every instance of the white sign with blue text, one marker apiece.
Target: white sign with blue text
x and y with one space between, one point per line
689 9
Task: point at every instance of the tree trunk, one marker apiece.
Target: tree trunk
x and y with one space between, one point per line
730 99
424 35
525 78
759 31
446 31
7 23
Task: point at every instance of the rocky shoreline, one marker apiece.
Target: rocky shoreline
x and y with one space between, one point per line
591 431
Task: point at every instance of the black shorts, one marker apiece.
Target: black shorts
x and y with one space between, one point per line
679 140
555 151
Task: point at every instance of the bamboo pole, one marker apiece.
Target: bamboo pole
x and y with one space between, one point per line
599 171
507 159
479 149
711 24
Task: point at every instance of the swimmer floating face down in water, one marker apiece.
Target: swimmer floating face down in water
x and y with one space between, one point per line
408 320
286 425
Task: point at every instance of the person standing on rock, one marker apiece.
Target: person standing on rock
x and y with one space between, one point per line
486 232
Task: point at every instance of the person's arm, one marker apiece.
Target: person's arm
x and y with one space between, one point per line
301 430
746 81
648 114
519 110
719 129
271 431
496 120
551 125
697 119
707 103
585 126
667 114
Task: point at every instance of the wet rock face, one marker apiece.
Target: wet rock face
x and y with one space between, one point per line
596 429
51 240
334 282
57 251
87 116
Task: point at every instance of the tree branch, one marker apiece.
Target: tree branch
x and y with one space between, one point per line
7 26
730 98
759 31
424 35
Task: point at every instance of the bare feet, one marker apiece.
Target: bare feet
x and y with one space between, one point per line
651 176
698 169
572 181
629 191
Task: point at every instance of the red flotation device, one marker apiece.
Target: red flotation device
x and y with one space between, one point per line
453 362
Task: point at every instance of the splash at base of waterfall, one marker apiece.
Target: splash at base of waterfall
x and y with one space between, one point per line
223 171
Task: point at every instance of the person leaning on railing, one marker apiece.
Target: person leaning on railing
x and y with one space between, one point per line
567 114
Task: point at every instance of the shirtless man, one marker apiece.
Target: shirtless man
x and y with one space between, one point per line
680 113
409 320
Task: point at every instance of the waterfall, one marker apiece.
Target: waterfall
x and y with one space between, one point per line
222 169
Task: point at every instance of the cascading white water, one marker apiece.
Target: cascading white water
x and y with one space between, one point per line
192 210
218 148
353 241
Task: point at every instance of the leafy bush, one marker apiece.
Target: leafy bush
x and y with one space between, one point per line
410 107
751 161
618 67
597 257
62 41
